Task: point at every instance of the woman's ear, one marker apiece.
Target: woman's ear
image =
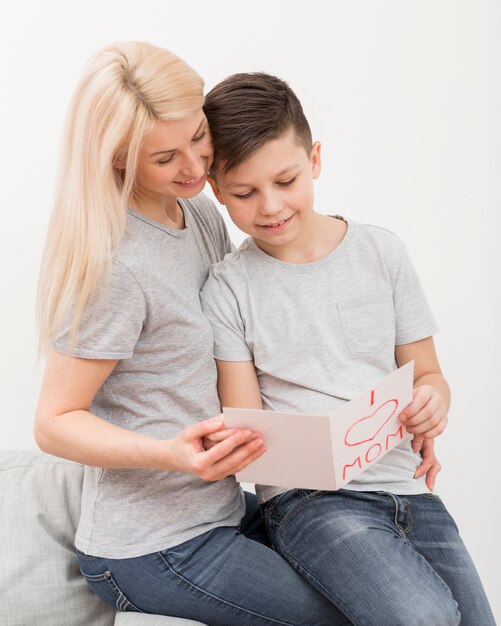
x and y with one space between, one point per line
119 164
316 161
215 189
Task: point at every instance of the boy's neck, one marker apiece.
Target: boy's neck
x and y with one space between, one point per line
320 236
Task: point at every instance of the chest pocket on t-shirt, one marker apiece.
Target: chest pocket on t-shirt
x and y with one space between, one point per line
368 322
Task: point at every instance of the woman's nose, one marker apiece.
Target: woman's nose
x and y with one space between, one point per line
194 164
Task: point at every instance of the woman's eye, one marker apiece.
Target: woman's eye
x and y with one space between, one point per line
286 183
165 161
200 137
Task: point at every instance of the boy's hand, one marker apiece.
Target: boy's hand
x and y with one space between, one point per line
430 464
426 415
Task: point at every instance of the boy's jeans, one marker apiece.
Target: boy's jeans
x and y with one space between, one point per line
383 559
225 577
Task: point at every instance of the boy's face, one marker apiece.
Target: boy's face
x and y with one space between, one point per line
270 195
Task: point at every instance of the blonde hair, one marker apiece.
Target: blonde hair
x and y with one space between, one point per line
125 89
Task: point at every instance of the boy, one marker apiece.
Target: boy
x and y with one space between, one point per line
308 313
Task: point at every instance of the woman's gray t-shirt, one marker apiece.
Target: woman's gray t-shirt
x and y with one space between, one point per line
150 319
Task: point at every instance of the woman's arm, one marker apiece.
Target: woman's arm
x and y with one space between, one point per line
65 427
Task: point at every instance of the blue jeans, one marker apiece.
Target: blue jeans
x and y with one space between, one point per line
383 559
223 577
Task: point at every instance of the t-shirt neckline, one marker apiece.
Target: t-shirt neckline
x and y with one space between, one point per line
305 267
173 232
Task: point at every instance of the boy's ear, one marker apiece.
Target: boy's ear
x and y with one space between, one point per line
215 189
316 161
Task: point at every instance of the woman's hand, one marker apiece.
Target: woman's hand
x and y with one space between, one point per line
430 464
209 441
230 450
426 415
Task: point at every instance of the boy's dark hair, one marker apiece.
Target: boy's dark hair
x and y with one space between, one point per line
246 111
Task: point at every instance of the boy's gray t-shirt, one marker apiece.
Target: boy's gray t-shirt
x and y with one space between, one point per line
150 319
322 333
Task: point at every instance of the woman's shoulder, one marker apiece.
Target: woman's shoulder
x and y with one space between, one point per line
202 207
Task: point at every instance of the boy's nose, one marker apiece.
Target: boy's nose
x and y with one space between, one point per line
271 205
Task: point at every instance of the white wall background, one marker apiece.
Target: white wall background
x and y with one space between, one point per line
406 98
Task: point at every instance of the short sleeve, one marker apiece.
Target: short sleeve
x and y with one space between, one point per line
413 317
220 306
111 323
228 245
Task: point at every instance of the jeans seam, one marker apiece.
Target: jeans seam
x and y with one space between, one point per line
122 601
338 603
401 532
411 521
224 602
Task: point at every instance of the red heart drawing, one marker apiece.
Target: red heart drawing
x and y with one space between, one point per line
361 427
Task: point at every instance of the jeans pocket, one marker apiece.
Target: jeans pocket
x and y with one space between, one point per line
104 586
432 496
281 507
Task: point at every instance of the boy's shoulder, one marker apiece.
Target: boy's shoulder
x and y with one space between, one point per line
384 239
376 232
236 262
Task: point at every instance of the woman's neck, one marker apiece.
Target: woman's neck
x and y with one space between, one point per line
161 209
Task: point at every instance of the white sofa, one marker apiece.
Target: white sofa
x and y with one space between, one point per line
40 582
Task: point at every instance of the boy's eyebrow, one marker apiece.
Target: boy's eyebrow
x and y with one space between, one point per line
174 149
280 173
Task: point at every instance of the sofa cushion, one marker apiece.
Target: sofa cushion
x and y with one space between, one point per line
40 583
141 619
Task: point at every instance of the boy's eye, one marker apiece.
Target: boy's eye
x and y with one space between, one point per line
285 183
242 196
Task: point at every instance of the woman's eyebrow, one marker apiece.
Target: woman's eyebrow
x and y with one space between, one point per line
174 149
162 152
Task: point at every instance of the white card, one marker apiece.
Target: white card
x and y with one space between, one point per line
326 452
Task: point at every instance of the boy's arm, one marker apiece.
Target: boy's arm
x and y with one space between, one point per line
237 385
426 415
238 388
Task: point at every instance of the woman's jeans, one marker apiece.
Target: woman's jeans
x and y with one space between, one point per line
383 559
223 577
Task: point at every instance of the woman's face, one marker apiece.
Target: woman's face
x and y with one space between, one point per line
174 158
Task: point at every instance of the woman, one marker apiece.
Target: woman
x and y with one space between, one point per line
130 384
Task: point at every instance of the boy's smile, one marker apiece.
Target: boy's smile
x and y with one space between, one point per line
277 226
270 195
